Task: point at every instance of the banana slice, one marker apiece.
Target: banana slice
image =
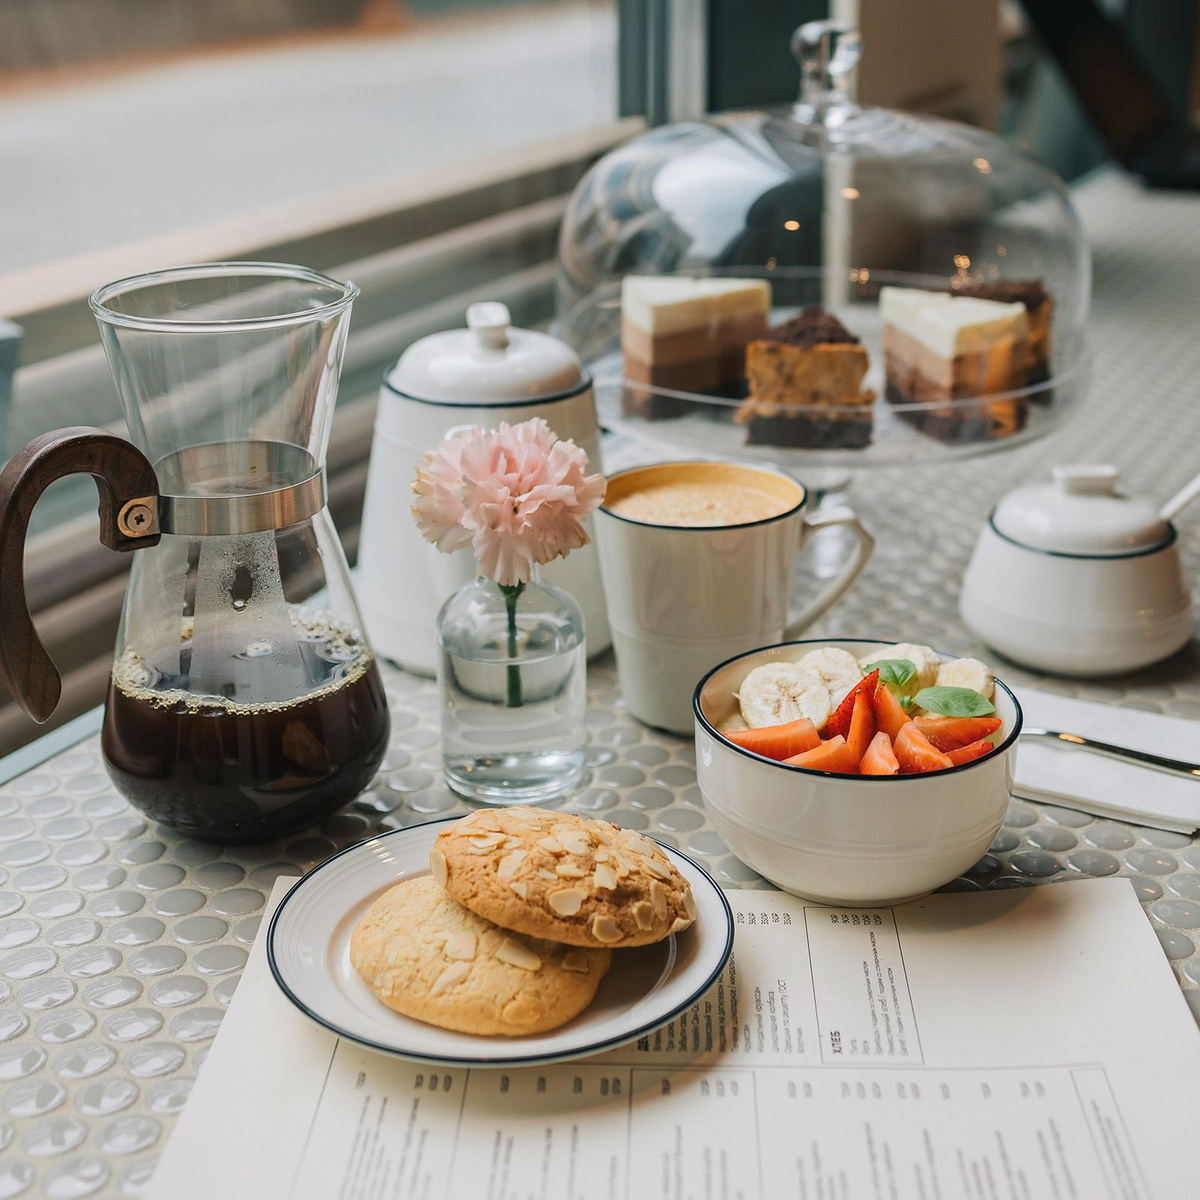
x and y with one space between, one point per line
967 673
778 692
838 669
922 657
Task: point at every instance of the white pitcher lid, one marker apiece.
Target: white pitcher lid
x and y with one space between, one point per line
489 362
1080 512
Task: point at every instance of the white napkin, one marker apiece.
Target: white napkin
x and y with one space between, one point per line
1103 786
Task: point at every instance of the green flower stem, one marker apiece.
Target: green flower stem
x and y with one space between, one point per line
512 593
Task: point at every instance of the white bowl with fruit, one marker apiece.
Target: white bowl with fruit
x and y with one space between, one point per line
855 772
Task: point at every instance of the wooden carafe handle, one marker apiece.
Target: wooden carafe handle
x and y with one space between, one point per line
128 521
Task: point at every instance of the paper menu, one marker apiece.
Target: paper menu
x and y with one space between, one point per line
1026 1043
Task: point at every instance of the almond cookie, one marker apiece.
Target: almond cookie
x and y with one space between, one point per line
427 957
563 877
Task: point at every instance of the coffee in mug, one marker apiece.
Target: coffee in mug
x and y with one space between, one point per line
715 502
697 561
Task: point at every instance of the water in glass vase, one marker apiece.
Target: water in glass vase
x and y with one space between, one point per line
513 680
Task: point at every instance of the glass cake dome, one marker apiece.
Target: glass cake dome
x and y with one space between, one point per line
693 258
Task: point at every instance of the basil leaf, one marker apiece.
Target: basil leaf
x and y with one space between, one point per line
906 703
954 702
894 673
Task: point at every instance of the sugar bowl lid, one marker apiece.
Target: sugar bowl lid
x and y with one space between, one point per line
1081 513
489 363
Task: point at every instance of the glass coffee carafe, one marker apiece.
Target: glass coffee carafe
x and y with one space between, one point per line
245 701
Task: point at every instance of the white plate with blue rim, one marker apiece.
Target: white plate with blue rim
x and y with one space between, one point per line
308 948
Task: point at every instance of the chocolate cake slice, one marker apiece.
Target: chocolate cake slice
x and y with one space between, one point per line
805 378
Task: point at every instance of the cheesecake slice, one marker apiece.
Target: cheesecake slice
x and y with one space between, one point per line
940 348
686 335
805 379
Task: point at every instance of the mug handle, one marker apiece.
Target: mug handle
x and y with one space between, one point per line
128 491
864 546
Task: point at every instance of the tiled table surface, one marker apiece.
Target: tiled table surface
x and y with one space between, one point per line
121 943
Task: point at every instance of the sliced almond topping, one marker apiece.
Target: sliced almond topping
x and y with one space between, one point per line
570 870
574 840
546 873
511 843
551 844
521 888
452 976
460 945
524 816
605 929
517 954
483 843
679 925
601 856
437 864
689 904
510 862
624 865
604 877
576 960
643 914
635 841
602 835
652 868
658 897
566 901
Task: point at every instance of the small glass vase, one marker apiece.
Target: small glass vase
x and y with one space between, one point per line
512 675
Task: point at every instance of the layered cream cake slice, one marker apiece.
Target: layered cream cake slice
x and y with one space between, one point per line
939 348
686 335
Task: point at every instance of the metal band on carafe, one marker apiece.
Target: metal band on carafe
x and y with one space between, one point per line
223 488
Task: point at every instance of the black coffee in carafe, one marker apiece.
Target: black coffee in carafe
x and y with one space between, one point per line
228 772
244 702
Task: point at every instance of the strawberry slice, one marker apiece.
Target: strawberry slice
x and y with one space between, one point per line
839 724
966 754
889 716
951 733
916 754
834 756
879 758
862 725
778 741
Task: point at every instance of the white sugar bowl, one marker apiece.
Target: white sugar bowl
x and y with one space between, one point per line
1075 578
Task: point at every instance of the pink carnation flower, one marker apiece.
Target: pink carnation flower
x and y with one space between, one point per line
517 495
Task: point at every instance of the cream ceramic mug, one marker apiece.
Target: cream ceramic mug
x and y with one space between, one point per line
683 597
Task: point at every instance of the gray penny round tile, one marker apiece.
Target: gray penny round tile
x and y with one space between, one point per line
55 1136
176 991
73 931
65 1025
132 1024
46 993
84 1060
77 1178
154 1059
237 902
179 903
102 1097
198 931
56 904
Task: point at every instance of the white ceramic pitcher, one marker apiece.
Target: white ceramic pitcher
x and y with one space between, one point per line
482 375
